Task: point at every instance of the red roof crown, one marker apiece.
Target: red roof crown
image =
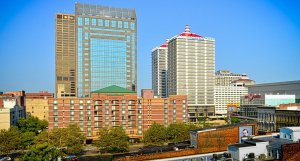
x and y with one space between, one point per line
188 33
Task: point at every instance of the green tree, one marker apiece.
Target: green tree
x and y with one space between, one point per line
177 132
75 139
9 140
70 138
235 120
155 135
41 152
43 137
32 124
27 139
112 140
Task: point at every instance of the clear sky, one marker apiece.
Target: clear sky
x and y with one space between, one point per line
258 37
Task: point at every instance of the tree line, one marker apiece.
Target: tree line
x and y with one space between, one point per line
116 140
31 136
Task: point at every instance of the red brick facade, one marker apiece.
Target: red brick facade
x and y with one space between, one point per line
134 114
291 151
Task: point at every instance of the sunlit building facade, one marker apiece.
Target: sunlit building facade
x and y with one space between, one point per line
191 71
159 70
115 106
106 48
65 55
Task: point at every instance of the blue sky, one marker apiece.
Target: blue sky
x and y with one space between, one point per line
257 37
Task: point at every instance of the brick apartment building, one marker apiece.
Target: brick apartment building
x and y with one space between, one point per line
115 106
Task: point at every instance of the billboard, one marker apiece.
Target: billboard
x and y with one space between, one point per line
245 131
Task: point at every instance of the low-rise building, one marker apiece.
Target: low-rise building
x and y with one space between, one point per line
250 102
278 88
115 106
217 138
37 104
251 148
12 108
282 146
271 119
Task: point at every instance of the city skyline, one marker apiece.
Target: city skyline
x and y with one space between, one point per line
270 33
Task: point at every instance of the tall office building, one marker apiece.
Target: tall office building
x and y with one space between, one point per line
65 57
191 71
95 48
106 48
159 70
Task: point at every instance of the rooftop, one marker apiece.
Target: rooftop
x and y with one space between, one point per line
277 83
188 33
296 129
113 89
275 141
255 140
241 145
105 11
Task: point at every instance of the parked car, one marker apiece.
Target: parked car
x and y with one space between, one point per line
5 159
71 158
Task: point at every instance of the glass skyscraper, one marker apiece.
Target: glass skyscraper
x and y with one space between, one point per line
106 48
95 48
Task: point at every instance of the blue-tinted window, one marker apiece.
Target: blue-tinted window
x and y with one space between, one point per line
86 21
106 23
100 22
94 22
107 70
126 25
113 23
132 25
120 24
79 21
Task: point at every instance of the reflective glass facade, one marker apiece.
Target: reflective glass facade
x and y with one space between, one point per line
106 48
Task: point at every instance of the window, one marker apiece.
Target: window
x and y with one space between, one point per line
106 23
94 22
120 24
79 21
126 25
86 21
100 22
132 25
113 23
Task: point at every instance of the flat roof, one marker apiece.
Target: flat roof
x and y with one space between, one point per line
276 83
275 141
241 145
254 140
